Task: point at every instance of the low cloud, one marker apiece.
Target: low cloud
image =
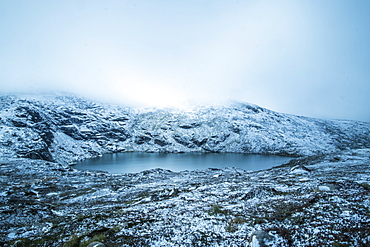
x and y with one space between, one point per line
293 57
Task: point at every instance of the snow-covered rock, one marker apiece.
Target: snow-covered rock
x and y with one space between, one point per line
261 239
67 129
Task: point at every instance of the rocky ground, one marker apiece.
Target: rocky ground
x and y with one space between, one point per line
313 201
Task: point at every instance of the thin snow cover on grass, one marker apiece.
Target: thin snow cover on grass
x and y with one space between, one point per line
189 208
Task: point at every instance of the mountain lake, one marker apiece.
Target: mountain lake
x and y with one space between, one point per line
133 162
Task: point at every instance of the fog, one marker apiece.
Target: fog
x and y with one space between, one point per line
307 58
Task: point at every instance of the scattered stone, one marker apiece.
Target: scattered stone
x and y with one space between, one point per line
323 188
260 192
96 244
261 238
160 142
300 169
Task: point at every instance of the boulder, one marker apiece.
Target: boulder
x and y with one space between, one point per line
261 238
96 244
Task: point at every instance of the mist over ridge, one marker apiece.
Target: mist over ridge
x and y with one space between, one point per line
306 58
67 129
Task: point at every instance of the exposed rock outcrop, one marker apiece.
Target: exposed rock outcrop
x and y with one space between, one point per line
67 129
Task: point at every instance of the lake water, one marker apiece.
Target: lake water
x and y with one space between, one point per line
136 161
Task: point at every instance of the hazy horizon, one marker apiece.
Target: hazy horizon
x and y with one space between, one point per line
309 58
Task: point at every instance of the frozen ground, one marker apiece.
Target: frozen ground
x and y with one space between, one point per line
313 201
320 199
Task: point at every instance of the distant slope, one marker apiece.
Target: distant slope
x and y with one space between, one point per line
67 129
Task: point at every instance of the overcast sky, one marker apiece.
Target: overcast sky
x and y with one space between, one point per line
307 58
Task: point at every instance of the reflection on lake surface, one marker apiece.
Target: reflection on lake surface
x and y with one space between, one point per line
138 161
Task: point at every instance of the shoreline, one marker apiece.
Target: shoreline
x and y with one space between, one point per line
316 200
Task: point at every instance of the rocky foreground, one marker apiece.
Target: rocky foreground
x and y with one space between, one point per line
313 201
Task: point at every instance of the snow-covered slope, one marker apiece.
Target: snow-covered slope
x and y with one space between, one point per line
318 200
66 129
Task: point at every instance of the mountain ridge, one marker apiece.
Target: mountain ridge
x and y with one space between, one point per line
67 129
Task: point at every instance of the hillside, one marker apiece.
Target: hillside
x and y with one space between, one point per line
320 199
66 129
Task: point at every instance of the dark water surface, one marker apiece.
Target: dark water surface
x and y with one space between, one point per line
138 161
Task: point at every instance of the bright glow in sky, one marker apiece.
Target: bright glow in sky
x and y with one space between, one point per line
305 57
